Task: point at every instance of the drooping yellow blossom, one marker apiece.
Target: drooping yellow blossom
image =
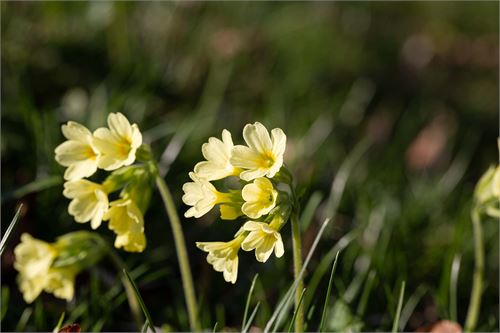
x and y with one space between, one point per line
223 256
78 153
217 153
203 196
264 238
118 143
33 262
263 156
90 201
487 192
260 198
127 221
61 283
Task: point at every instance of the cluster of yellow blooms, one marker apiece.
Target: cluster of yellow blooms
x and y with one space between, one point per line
257 199
112 148
52 267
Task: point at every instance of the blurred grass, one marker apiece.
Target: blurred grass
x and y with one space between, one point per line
419 79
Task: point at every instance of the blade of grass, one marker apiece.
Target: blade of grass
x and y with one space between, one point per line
410 306
395 324
285 301
25 316
326 261
35 186
366 293
250 320
325 306
59 323
141 301
309 210
296 311
249 297
455 269
8 232
215 327
5 302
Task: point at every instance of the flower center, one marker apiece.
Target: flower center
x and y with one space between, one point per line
267 159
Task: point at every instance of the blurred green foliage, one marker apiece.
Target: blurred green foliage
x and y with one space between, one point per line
418 79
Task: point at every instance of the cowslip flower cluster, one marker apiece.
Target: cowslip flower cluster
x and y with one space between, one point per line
257 199
52 267
487 192
113 148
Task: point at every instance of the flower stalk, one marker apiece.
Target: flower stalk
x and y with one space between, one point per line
477 283
297 267
180 246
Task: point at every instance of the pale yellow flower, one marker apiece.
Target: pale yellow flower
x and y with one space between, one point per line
90 201
78 153
127 221
264 239
203 196
33 260
118 143
61 283
264 154
223 256
217 153
260 198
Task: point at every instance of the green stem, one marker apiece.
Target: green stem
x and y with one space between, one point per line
297 267
180 245
477 283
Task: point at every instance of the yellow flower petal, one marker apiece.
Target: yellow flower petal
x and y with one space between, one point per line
260 198
61 283
217 153
127 221
264 239
90 201
223 256
118 143
78 153
263 156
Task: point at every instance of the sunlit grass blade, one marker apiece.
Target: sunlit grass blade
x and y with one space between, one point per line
145 327
25 316
325 306
455 269
410 306
322 268
34 186
296 310
59 323
8 232
339 183
309 210
249 297
285 301
250 320
141 301
215 327
395 324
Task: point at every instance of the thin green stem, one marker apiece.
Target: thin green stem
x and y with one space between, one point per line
477 283
180 245
297 267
